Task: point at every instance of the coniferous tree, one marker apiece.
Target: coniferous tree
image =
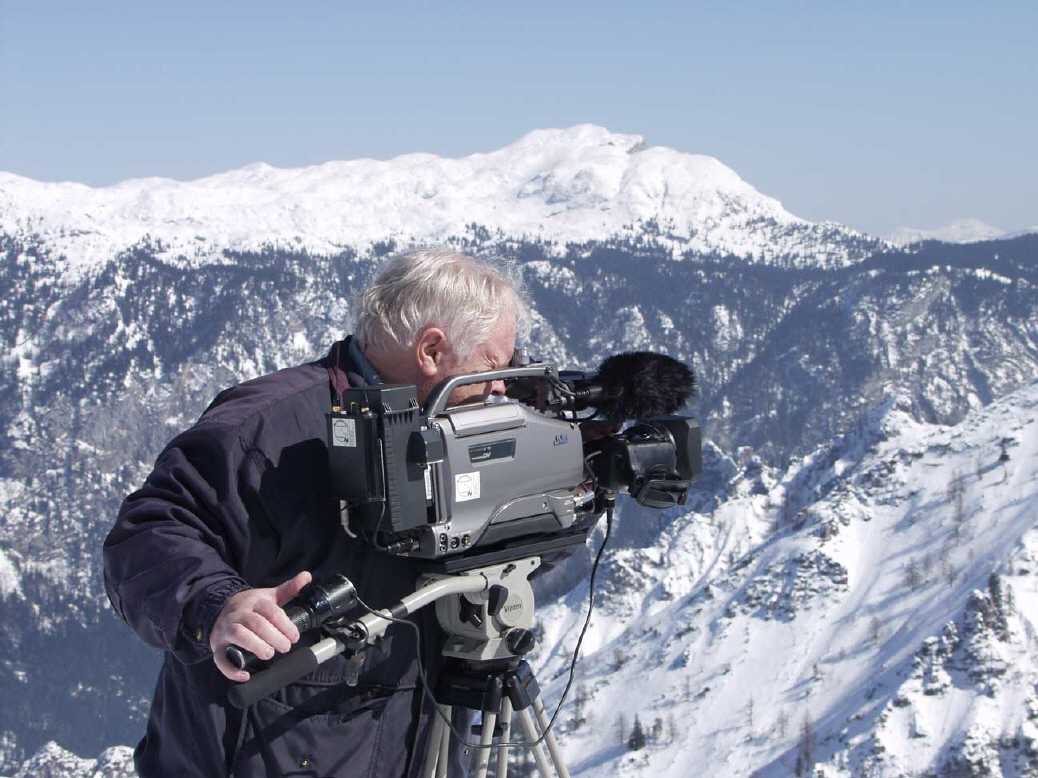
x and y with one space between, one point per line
998 606
636 741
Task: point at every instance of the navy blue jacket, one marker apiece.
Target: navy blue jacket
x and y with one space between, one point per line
242 499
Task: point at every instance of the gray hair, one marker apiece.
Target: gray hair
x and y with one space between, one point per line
462 295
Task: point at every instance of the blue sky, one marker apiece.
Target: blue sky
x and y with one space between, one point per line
876 115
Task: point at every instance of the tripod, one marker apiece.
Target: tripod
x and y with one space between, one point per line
498 691
488 632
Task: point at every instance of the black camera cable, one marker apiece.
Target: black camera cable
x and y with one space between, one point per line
427 689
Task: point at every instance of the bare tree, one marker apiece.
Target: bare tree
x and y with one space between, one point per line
656 733
805 749
672 728
521 763
875 629
782 723
913 575
957 498
621 729
619 659
580 700
927 564
787 512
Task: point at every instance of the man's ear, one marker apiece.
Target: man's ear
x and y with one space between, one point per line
431 351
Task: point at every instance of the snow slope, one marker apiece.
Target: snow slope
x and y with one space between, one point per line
575 184
856 594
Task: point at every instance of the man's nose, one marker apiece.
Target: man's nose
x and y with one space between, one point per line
497 387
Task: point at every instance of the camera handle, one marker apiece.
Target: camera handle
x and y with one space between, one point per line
319 602
436 403
354 636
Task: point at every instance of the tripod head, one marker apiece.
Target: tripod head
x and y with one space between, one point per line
495 623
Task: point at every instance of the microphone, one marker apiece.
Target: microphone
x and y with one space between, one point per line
636 385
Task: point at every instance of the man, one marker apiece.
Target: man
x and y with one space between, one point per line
238 516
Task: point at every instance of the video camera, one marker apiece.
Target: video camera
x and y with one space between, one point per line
507 477
486 489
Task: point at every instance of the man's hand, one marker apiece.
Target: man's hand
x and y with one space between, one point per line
253 620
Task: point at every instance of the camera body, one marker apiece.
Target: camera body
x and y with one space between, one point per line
494 479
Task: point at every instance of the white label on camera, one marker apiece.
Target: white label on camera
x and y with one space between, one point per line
344 432
428 484
466 486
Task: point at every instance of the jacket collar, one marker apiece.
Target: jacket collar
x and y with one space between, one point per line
347 366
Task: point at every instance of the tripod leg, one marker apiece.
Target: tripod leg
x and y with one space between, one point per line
445 742
506 733
432 748
549 738
530 732
486 738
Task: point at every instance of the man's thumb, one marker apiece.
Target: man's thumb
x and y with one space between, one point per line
290 588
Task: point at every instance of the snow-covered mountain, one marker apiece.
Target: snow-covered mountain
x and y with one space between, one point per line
98 373
882 592
578 184
958 231
116 335
53 761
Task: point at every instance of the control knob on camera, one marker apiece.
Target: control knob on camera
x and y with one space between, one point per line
520 641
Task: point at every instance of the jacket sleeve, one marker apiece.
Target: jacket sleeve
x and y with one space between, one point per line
169 561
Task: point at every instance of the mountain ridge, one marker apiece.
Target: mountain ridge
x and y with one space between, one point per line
560 186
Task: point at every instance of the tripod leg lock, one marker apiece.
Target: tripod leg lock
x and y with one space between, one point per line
521 687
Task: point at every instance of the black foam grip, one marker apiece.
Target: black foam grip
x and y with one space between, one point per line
279 675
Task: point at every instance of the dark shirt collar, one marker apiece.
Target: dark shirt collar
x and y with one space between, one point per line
347 366
359 363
